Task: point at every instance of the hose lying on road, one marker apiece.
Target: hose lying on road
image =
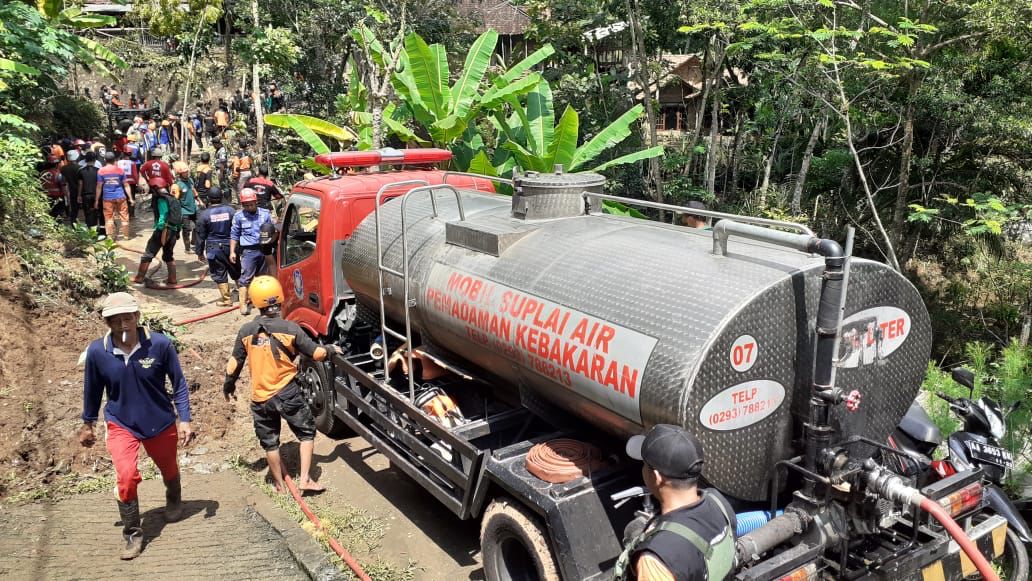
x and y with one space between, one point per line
206 316
155 286
337 548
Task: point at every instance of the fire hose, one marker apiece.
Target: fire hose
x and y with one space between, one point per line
336 546
966 544
200 279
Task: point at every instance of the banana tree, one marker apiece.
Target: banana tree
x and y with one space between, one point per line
444 111
530 138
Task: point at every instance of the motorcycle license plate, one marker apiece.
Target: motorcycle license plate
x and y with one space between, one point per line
990 454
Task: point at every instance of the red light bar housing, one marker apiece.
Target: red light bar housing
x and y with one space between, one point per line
386 156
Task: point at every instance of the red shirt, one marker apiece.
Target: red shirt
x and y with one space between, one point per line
51 185
157 173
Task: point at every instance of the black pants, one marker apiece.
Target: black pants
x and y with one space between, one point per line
289 405
73 209
58 208
155 244
219 266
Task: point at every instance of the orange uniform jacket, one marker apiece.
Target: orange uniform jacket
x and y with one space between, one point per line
270 345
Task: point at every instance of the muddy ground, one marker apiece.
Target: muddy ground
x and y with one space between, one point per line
394 528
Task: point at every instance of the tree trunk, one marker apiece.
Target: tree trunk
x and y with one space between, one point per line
804 168
899 215
376 103
714 145
256 90
768 165
736 157
890 253
184 131
229 53
643 80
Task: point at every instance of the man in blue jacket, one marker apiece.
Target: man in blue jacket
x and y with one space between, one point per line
245 243
130 364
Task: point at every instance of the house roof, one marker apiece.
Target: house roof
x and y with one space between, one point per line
500 15
687 69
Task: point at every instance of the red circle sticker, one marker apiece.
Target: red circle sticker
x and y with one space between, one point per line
743 353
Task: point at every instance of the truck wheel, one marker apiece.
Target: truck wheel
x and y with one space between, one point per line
514 545
318 390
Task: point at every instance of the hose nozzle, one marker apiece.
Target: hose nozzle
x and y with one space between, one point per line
376 350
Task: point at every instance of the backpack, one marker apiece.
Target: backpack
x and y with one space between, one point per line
174 215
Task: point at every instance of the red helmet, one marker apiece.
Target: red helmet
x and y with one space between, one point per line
248 195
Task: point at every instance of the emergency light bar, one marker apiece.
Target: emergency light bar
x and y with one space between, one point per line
388 156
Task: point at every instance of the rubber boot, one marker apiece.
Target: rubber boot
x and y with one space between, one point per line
171 264
173 500
227 297
187 240
141 274
132 531
245 305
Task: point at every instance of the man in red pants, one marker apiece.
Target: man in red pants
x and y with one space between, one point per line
130 364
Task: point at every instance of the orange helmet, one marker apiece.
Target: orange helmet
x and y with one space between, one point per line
265 291
180 167
248 195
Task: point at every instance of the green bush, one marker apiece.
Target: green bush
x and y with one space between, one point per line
23 205
77 117
1004 376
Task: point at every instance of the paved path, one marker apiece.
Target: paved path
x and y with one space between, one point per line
222 538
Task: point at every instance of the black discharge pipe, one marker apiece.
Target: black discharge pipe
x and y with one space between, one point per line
823 394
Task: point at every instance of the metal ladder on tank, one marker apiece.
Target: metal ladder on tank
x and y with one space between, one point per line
403 274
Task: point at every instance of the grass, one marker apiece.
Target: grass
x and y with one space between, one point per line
65 486
353 527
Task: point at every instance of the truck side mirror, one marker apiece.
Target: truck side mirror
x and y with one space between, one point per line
965 377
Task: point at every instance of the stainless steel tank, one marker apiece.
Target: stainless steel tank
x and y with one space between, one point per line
628 323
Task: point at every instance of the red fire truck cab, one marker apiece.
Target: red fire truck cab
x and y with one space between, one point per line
322 213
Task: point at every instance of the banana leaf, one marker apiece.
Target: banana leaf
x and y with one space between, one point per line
102 52
518 69
314 124
9 65
424 67
482 165
367 40
497 95
75 18
464 92
317 168
618 209
306 134
541 119
614 133
525 159
631 157
563 147
398 128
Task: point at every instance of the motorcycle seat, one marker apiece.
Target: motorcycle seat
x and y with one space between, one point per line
919 426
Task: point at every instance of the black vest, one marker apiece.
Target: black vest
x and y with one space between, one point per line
683 559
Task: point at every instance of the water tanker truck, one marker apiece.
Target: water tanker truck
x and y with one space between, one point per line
500 349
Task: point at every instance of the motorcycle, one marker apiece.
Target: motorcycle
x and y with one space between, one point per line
977 445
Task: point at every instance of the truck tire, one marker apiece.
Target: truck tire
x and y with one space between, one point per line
318 389
514 546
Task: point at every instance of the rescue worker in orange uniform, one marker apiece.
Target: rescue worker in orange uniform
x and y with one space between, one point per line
271 345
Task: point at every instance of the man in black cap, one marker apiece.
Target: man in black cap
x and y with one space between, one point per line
695 220
692 537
